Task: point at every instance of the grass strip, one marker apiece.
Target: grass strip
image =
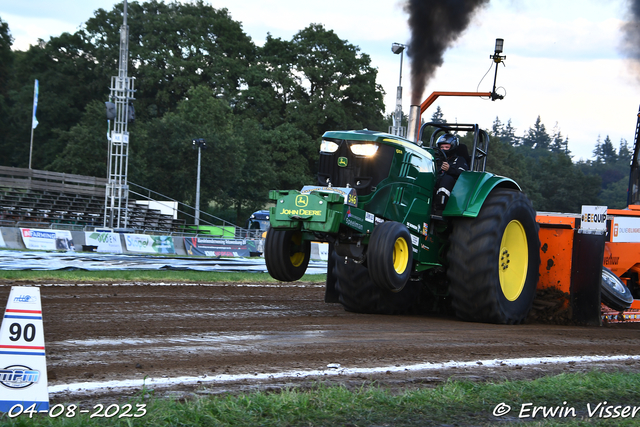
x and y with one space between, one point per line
189 276
459 403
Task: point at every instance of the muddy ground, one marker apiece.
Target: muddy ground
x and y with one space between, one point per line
97 333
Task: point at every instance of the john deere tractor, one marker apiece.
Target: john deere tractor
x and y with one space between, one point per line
388 249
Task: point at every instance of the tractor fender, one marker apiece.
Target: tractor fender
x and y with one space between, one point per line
471 190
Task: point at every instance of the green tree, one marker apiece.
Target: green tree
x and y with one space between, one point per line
605 152
163 158
6 57
257 176
505 160
615 194
271 84
262 110
335 85
173 46
624 152
537 138
294 156
6 63
559 144
67 83
505 133
613 170
563 187
541 165
438 116
86 151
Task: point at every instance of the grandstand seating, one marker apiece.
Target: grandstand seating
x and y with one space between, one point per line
31 198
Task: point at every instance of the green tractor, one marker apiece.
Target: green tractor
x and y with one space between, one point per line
389 250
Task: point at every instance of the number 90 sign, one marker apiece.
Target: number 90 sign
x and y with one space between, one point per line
26 332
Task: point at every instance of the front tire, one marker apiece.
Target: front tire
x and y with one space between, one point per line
359 294
286 254
494 260
390 256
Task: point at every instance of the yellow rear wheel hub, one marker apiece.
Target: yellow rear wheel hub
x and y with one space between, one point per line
400 255
297 258
513 262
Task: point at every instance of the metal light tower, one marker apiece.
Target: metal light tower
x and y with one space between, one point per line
200 144
397 128
120 110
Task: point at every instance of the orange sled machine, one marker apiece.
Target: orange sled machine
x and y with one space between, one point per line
600 271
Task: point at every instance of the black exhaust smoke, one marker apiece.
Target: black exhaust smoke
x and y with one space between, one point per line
631 42
435 25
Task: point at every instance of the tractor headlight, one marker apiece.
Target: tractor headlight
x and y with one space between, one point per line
366 150
327 146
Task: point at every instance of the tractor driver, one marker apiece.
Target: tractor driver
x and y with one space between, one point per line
450 169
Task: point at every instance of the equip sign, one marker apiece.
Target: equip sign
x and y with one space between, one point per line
594 218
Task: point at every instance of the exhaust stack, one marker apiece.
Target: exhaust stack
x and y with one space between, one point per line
413 128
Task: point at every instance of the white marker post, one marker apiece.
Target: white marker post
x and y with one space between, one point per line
23 365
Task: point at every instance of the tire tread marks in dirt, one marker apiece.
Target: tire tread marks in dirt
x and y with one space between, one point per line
359 294
278 248
473 260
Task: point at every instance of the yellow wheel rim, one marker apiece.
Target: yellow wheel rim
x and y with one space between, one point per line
514 260
297 258
400 255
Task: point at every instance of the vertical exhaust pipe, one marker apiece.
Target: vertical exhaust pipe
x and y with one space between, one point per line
413 128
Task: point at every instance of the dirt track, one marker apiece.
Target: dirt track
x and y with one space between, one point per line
118 332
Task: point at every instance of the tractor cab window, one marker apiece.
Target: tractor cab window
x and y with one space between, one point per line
355 164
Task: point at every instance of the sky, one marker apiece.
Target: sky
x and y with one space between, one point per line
564 58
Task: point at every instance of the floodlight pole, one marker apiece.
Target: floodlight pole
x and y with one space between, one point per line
197 220
497 58
201 144
397 128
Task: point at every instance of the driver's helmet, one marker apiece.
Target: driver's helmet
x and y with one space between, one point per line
447 138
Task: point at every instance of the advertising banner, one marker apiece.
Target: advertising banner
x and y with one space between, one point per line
206 246
625 229
105 241
51 240
149 244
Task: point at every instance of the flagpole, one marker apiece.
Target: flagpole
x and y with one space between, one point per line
34 121
31 147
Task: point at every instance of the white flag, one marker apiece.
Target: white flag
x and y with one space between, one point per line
34 121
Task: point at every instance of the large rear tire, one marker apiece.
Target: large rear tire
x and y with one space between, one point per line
286 254
494 260
390 256
358 292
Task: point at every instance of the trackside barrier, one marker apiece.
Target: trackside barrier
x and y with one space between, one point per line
319 251
107 241
11 238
